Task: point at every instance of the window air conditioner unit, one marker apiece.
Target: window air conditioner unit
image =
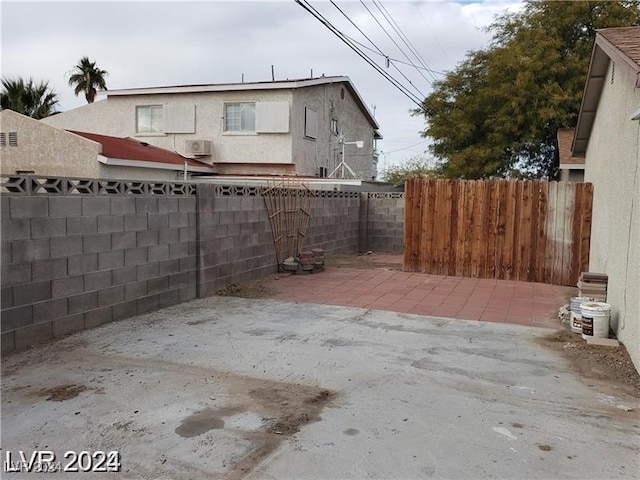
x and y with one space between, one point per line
198 147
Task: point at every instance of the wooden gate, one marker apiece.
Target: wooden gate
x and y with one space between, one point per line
534 231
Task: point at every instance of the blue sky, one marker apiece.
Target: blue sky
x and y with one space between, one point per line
168 43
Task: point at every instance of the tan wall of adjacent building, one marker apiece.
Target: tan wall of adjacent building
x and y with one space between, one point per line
612 165
46 150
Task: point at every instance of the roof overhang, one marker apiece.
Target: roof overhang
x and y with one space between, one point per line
603 52
121 162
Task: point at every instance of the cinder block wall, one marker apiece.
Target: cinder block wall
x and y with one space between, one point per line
335 222
80 253
234 237
73 260
382 221
235 243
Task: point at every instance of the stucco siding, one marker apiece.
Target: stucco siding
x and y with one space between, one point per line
612 165
45 150
331 101
100 117
117 117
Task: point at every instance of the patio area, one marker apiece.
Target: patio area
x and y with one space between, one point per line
383 286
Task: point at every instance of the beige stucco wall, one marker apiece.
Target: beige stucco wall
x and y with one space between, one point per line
100 117
116 116
46 150
327 100
612 165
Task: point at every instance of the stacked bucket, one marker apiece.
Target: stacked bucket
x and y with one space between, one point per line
590 315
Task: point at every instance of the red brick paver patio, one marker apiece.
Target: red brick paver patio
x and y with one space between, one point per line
503 301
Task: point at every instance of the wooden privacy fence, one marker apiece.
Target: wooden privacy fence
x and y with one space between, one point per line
534 231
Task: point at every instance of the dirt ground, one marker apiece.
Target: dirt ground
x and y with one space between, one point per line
605 365
611 366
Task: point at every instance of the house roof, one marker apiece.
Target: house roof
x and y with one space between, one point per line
267 85
565 141
622 45
117 149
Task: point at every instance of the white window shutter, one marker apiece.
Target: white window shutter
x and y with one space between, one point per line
179 118
272 117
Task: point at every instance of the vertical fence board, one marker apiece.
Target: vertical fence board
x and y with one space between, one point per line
535 200
567 242
558 233
455 212
509 230
524 244
493 229
541 245
501 230
447 247
408 233
468 228
425 226
485 258
578 213
462 205
549 232
585 236
478 215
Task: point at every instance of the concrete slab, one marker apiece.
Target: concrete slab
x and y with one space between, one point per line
604 342
235 388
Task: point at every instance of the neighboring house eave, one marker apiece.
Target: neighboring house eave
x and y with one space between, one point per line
230 87
603 52
590 98
156 165
227 87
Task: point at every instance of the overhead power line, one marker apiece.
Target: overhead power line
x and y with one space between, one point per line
404 90
388 60
408 146
389 18
396 60
393 41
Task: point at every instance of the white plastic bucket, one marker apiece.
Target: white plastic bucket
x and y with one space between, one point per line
576 313
595 319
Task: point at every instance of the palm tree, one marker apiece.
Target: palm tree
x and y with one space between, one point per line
86 77
30 98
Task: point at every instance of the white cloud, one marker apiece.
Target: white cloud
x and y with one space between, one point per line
166 43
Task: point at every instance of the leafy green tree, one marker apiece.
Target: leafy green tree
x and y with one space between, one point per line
28 97
498 112
86 78
415 167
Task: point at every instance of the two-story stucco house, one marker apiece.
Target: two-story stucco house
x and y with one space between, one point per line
607 137
291 127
